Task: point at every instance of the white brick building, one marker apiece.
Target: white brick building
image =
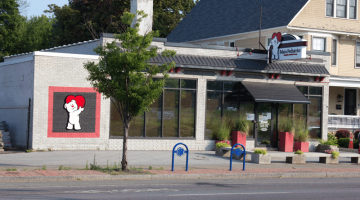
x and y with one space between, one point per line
42 75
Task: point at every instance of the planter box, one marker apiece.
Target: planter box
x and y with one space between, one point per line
302 146
329 160
260 159
223 153
286 142
238 137
297 159
323 147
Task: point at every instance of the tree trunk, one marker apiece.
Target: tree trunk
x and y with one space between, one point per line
124 163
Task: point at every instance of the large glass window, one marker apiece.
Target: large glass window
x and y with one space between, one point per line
227 101
171 115
311 112
341 8
330 8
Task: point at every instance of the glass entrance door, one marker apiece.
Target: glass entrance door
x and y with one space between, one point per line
264 126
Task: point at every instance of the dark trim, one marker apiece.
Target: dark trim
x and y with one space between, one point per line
248 75
296 44
200 73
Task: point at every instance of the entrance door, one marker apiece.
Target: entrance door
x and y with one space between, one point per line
350 102
264 126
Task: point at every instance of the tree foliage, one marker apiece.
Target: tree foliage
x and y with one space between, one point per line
10 23
169 13
20 34
125 75
83 20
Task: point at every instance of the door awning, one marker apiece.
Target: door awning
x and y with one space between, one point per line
275 93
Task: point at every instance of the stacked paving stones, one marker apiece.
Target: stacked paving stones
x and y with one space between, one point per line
4 140
1 143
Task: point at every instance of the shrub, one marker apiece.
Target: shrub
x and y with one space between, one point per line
342 133
242 125
356 144
260 151
331 140
334 154
299 152
301 131
222 133
344 142
356 134
286 125
222 144
265 142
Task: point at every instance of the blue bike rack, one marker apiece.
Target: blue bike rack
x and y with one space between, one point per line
237 152
180 152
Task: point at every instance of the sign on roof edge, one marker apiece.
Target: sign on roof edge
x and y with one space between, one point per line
286 47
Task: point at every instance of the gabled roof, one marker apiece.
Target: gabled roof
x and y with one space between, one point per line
214 18
240 64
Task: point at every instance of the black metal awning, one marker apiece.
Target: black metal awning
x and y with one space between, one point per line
275 93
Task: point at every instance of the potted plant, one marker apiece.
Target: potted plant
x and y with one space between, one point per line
301 136
241 129
218 150
260 156
222 133
286 134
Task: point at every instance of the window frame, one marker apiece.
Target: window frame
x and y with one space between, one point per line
162 114
333 6
347 10
334 41
312 43
356 46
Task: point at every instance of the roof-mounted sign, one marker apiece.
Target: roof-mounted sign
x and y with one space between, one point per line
286 47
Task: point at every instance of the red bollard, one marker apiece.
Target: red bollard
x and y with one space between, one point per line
351 143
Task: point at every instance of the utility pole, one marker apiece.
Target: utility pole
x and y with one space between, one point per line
260 27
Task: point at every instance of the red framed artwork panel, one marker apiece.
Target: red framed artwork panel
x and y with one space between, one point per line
87 103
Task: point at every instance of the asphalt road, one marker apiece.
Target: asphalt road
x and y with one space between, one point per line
277 189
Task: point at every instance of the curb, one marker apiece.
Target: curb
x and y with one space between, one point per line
175 176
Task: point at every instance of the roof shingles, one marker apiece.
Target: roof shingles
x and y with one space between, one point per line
214 18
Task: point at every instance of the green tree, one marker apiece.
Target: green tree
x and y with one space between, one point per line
169 13
10 22
83 20
125 75
36 33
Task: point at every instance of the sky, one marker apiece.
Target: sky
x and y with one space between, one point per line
37 7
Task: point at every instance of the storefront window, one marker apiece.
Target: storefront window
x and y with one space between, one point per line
311 112
172 115
226 101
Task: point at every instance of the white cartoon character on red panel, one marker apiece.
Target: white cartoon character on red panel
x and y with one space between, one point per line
274 45
74 106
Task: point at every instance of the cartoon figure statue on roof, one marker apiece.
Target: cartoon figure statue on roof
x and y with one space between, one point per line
74 106
274 45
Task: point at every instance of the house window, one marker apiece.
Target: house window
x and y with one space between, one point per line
232 44
341 8
172 115
318 44
333 52
358 54
330 8
352 9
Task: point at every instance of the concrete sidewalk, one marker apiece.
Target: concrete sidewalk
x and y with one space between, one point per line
202 164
